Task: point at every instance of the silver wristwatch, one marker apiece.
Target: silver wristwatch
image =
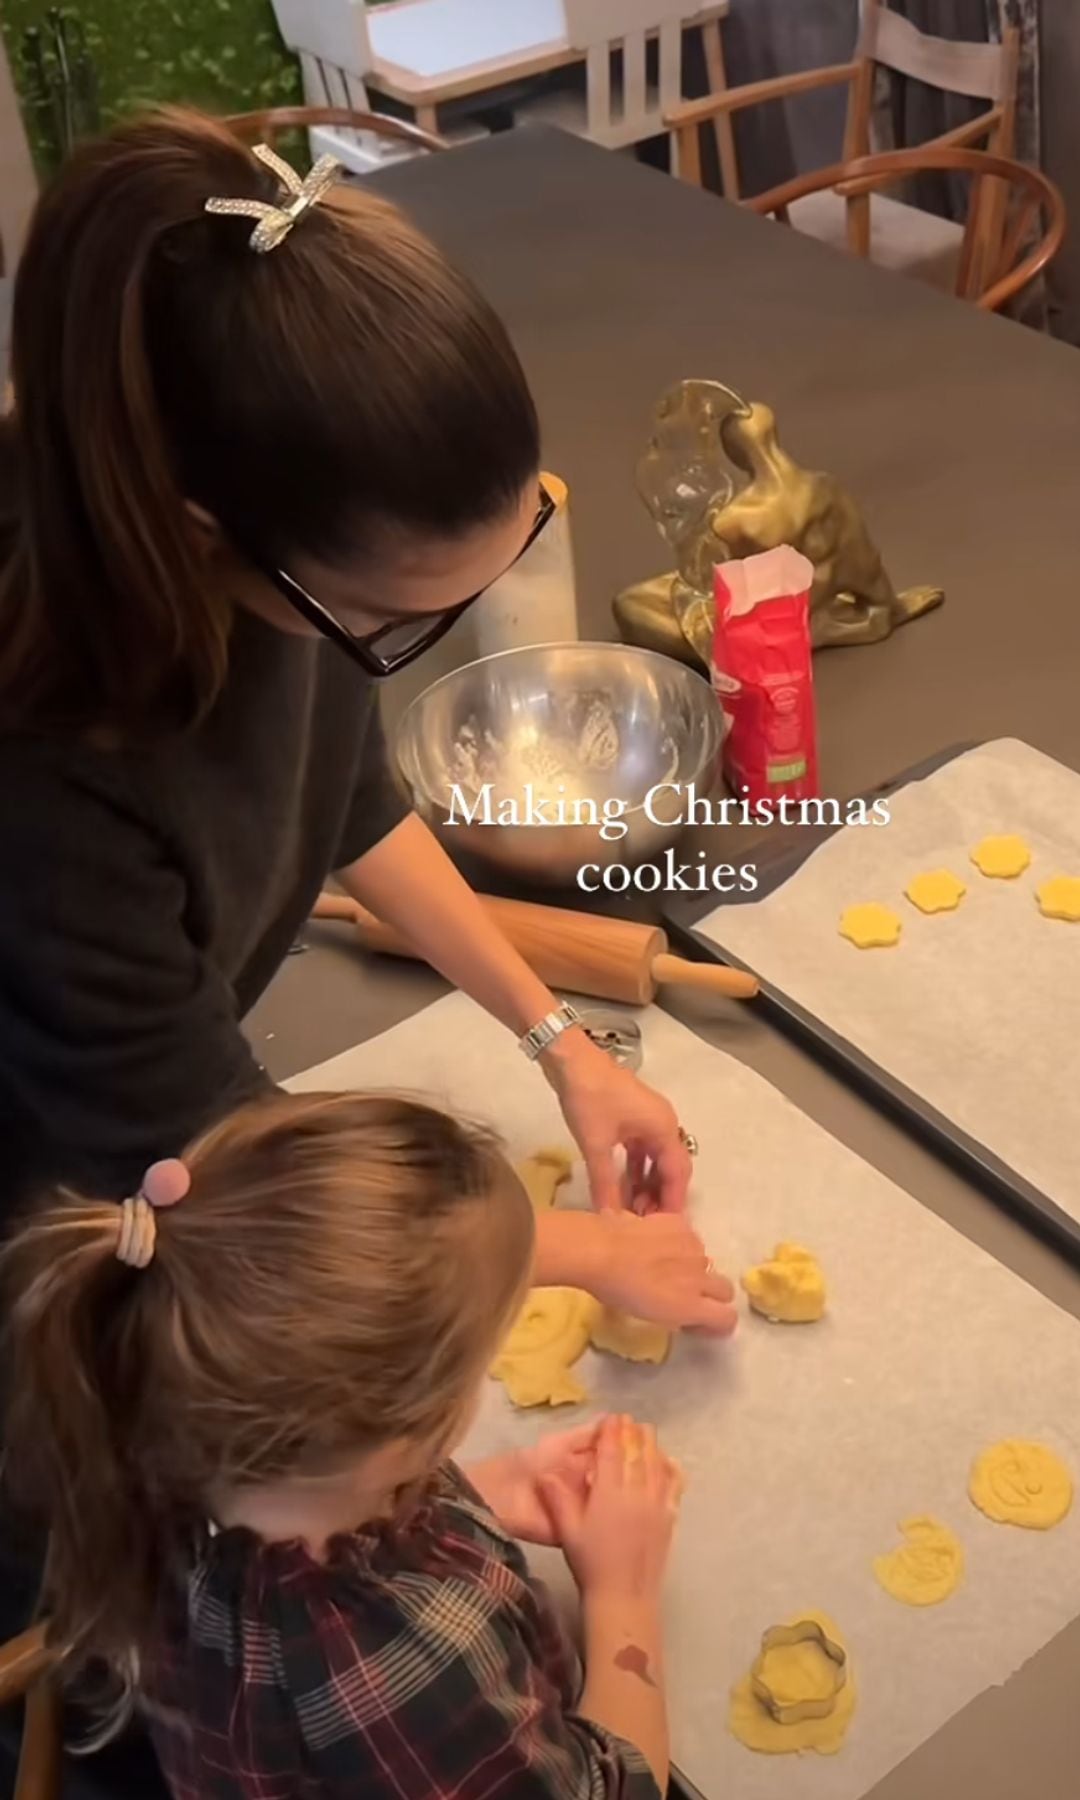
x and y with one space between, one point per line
542 1036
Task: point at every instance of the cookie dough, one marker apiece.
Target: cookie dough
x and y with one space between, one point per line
925 1569
635 1339
543 1175
939 890
790 1289
1018 1483
870 926
1001 857
556 1325
536 1360
1059 898
794 1673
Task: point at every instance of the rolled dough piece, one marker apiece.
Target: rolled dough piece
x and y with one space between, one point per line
1019 1483
556 1325
927 1568
796 1672
789 1290
1059 898
1002 858
870 926
939 890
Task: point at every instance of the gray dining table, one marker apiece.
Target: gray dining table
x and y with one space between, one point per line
960 435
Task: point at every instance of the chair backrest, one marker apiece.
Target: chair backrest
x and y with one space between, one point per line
977 71
600 27
330 37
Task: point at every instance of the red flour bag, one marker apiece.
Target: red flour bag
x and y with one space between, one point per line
763 676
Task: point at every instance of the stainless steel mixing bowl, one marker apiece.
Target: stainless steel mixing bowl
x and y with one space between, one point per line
544 740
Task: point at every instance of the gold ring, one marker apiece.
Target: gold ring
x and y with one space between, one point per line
690 1142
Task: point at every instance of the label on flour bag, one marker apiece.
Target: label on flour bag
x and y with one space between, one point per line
763 675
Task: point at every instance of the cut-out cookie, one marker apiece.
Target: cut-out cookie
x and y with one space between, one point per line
1059 898
556 1325
790 1289
803 1669
1002 858
926 1568
870 926
1018 1483
938 890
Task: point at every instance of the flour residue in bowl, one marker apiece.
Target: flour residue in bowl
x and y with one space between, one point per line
555 768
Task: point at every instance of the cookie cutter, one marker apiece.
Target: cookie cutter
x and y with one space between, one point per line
780 1637
619 1037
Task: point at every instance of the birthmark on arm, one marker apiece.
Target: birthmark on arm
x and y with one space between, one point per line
633 1661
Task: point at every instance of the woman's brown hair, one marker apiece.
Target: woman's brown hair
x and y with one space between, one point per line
348 384
336 1279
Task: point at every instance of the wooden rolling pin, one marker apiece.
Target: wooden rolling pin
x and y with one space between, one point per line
610 959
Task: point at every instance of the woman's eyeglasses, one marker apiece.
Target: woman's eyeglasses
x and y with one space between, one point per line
400 641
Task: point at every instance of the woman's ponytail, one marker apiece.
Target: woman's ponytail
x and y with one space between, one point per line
309 401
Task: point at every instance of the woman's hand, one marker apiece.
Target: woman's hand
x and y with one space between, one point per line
607 1109
655 1267
512 1484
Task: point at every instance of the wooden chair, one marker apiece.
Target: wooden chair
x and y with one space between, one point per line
330 38
622 106
25 1674
905 238
991 273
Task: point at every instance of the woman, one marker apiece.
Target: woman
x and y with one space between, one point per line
242 482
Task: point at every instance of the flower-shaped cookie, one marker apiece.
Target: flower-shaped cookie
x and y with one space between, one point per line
1003 858
870 926
939 890
1059 898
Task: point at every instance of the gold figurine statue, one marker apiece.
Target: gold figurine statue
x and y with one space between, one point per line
701 429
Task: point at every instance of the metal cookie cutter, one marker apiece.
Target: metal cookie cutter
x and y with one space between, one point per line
793 1712
616 1034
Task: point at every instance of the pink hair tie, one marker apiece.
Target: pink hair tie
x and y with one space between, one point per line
166 1182
163 1185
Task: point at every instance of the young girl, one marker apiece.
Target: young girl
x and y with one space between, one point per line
235 1397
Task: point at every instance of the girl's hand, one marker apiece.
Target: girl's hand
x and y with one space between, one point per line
607 1108
616 1531
512 1484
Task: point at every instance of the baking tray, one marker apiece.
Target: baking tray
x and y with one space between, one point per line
684 913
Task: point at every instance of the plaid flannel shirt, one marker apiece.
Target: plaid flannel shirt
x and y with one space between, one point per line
417 1664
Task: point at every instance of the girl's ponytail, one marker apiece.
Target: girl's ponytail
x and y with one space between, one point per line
71 1373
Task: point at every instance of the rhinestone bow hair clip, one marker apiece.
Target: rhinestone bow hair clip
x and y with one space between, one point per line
274 223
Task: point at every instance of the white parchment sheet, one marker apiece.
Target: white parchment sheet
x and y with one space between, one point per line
976 1011
803 1446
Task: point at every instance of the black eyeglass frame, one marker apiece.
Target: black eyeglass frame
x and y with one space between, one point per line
363 650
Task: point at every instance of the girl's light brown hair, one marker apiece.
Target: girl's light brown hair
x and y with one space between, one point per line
348 385
336 1279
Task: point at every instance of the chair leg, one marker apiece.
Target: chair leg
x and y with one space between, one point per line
40 1755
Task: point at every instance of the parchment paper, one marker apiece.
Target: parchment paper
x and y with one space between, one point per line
804 1446
976 1011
